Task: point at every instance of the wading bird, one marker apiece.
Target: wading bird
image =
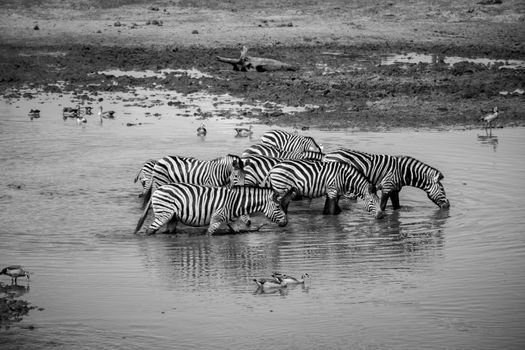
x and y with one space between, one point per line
106 114
34 114
14 271
201 130
265 283
490 117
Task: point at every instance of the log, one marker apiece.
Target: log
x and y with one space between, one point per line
247 63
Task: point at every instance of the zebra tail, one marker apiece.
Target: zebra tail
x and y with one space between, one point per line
147 196
137 177
143 217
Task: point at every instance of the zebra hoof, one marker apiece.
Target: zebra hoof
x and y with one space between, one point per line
379 215
150 231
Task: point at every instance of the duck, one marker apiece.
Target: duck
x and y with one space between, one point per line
106 114
14 271
244 132
70 112
34 113
264 283
201 130
290 279
490 117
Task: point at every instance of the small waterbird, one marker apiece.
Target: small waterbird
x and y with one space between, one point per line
106 114
244 132
34 114
290 279
14 271
490 117
70 112
264 283
201 130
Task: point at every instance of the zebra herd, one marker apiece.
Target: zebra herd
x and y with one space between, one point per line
267 176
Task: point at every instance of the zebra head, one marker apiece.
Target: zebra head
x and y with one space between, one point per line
418 174
274 207
234 170
311 145
372 202
436 191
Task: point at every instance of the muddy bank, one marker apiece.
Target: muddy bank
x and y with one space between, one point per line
351 86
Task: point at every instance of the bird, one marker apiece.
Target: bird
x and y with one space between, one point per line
264 283
106 114
34 113
14 271
290 279
201 130
490 117
81 120
70 112
244 132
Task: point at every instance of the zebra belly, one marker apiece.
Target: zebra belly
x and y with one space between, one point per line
199 211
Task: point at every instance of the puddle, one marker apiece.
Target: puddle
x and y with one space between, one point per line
414 58
192 73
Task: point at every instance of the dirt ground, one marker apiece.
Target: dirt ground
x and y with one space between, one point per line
337 46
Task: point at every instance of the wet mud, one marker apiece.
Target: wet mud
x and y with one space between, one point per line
349 86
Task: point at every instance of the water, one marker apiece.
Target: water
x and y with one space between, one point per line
421 278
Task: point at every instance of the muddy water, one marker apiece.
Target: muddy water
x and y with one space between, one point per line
420 278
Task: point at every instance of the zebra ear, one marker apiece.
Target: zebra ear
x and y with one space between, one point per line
438 177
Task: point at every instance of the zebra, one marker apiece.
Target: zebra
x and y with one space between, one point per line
315 179
217 172
196 205
256 169
288 141
391 173
145 173
270 151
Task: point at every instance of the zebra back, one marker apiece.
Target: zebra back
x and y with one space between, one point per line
288 141
270 151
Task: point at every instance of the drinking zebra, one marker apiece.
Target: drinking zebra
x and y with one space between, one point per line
270 151
288 141
315 179
391 173
145 173
217 172
196 205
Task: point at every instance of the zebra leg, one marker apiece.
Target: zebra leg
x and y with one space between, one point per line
331 206
384 200
394 198
172 226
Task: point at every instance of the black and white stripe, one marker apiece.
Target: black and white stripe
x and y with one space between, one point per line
270 151
288 141
331 179
196 205
256 169
145 173
218 172
391 173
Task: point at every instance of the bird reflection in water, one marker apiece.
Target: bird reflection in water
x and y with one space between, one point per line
489 139
14 290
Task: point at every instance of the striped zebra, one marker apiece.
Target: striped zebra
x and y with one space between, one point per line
217 172
332 179
196 205
256 169
270 151
391 173
288 141
145 173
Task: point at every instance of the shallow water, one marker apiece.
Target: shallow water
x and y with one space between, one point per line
421 278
